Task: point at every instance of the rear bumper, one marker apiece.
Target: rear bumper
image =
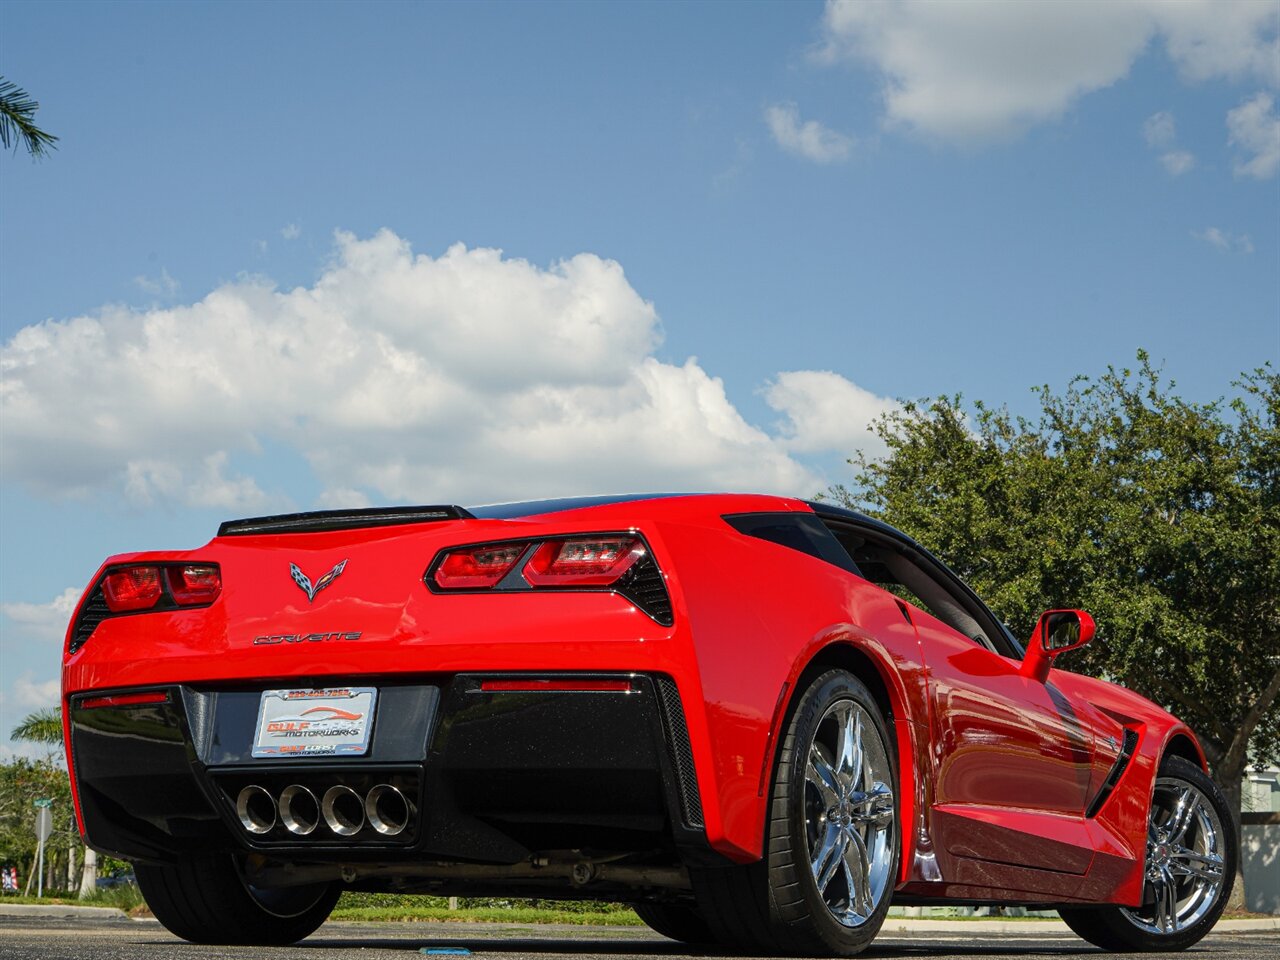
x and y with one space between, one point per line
492 777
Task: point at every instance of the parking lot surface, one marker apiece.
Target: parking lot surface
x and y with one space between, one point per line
95 939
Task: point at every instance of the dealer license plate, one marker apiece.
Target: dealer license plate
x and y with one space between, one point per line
314 723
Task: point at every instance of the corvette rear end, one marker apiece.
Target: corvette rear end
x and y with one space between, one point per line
759 720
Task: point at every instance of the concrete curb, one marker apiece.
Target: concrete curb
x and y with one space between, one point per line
65 910
1239 926
912 926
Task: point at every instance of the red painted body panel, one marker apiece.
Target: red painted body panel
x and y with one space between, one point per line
995 769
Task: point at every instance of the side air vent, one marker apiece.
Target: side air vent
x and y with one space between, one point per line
320 521
1117 771
92 613
680 751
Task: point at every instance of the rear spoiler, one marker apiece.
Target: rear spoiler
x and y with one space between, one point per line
319 521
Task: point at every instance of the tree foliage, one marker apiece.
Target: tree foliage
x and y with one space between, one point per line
1160 516
22 782
17 122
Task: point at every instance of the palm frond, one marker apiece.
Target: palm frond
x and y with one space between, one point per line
17 121
40 726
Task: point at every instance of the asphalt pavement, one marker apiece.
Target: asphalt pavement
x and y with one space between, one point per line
80 938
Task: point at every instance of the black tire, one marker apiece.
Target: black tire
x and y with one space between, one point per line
776 905
679 921
205 900
1194 898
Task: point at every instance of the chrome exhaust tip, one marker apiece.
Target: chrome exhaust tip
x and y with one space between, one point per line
388 810
342 810
299 810
256 809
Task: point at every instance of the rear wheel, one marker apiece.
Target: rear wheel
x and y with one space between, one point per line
207 900
1190 867
825 885
678 921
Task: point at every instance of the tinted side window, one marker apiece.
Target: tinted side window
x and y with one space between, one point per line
797 531
907 576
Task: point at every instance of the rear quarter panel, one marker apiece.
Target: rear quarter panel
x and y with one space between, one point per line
758 613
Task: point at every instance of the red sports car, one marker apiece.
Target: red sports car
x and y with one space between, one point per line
760 720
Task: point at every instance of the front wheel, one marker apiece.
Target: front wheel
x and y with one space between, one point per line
207 900
1190 867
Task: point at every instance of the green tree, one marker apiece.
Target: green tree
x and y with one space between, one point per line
23 781
1160 516
17 121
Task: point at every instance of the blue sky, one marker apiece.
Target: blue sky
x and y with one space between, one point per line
261 270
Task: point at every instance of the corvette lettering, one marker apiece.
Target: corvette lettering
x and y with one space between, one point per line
273 638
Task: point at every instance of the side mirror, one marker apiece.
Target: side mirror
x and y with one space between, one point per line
1057 632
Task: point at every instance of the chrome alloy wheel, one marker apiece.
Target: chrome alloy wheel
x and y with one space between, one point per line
1184 868
849 813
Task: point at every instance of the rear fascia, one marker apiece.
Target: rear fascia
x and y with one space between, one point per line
491 775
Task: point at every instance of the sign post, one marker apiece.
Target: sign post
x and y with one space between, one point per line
44 827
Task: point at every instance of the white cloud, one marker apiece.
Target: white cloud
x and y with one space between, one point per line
1177 162
162 286
1227 242
1161 133
147 481
988 69
291 231
342 498
31 751
809 139
1208 39
46 622
465 377
1160 129
1255 128
26 694
825 411
22 696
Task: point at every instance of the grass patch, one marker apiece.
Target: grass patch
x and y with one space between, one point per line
390 907
622 918
125 897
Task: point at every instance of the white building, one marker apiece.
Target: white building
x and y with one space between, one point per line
1260 840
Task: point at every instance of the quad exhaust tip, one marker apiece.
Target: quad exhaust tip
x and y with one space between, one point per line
387 810
299 810
342 810
256 809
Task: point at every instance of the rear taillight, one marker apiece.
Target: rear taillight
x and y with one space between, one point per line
132 588
193 585
589 561
148 586
477 568
617 563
